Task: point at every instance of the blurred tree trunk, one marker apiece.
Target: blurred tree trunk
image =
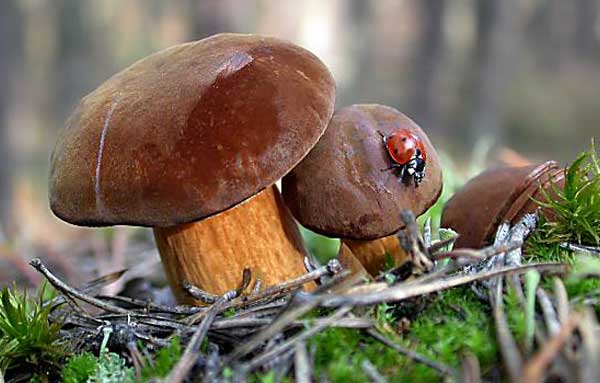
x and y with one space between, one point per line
551 32
585 37
10 22
74 66
426 100
494 58
359 19
208 17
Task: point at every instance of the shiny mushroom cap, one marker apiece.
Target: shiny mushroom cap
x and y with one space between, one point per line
497 195
342 189
189 132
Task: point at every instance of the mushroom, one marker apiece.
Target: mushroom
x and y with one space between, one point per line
190 141
498 195
344 189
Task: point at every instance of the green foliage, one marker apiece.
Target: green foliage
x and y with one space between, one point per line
384 314
439 332
583 284
107 368
532 280
321 247
575 213
515 315
537 249
576 208
79 368
441 328
164 361
27 338
112 368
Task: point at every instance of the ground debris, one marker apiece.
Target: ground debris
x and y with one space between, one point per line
252 329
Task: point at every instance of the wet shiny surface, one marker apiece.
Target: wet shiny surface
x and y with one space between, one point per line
340 190
476 210
192 131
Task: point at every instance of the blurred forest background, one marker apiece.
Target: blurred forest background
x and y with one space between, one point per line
523 74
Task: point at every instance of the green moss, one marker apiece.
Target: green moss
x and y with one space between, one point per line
515 316
456 321
452 322
163 361
28 341
79 368
575 208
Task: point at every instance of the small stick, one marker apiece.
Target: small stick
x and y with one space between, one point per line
508 346
199 294
70 291
589 348
302 368
536 367
439 367
288 316
191 353
412 242
293 312
471 371
291 342
550 315
209 298
333 267
372 372
150 306
481 254
437 246
562 300
258 322
257 286
409 290
427 233
590 250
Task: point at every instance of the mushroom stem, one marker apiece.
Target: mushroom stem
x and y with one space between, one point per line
374 254
349 261
212 254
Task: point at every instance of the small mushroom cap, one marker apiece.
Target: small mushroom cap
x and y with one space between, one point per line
495 195
341 188
189 132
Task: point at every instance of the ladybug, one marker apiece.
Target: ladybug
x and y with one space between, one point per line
407 152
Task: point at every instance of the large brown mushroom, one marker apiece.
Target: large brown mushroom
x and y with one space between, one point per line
190 141
342 188
503 194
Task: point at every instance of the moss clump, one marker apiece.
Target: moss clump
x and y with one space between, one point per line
454 321
575 211
28 340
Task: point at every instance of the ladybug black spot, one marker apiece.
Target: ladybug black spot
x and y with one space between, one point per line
396 151
403 139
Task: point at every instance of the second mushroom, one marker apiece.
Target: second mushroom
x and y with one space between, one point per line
344 187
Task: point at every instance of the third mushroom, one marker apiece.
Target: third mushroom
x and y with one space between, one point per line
345 188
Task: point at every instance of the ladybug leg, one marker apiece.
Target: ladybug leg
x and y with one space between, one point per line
392 167
383 137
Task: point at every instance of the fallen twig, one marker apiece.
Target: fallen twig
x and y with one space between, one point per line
72 292
372 372
441 368
534 370
303 373
508 347
290 343
404 291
